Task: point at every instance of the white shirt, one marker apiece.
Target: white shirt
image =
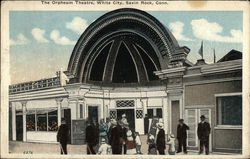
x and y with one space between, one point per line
137 140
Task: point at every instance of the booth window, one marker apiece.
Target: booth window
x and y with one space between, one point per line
30 119
229 110
52 121
42 120
154 112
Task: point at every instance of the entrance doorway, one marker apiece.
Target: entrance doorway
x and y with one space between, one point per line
93 113
19 127
175 116
130 115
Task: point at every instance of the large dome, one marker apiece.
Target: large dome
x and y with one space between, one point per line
122 46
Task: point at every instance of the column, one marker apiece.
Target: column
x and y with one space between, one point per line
13 120
165 114
145 110
24 120
59 110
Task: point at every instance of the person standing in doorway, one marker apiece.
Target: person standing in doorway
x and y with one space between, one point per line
91 137
146 124
160 140
182 136
62 137
203 134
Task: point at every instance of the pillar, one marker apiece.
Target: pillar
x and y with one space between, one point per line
59 110
24 120
13 120
165 113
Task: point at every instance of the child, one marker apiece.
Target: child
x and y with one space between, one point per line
151 145
104 149
171 143
138 143
131 150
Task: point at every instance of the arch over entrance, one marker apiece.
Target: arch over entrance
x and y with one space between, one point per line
122 46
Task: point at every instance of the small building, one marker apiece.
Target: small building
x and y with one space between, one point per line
127 62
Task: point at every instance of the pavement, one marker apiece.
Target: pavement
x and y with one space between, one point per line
18 147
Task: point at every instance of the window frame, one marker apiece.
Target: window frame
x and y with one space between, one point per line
221 126
47 119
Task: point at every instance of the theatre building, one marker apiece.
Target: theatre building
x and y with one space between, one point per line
128 62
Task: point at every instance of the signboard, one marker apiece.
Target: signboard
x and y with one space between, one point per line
78 132
153 127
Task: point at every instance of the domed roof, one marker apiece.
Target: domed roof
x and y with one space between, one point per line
122 46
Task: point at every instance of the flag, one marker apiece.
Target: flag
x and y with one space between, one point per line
201 50
214 57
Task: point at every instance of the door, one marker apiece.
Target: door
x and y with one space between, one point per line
192 120
93 113
19 127
129 115
175 116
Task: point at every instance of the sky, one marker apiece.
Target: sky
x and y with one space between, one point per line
41 42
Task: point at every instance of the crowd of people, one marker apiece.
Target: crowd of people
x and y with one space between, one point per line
116 137
112 137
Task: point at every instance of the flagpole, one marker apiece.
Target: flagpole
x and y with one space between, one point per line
214 56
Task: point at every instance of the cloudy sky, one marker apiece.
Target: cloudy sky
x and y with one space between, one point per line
41 42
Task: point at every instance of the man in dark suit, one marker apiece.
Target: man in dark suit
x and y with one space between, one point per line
91 136
203 134
116 140
182 136
62 137
160 140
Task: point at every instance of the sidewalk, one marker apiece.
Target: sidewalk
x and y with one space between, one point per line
18 147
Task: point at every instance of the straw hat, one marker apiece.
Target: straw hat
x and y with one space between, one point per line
160 125
123 115
103 140
151 137
129 133
172 135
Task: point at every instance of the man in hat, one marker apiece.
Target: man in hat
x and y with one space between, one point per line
203 134
182 136
116 140
91 136
62 137
160 140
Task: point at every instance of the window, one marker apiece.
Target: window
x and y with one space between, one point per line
229 110
42 120
155 112
52 121
30 119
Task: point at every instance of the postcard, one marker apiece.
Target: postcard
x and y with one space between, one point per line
125 79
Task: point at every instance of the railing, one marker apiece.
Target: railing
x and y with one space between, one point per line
34 85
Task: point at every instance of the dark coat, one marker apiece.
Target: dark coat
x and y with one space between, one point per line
160 140
116 135
203 130
182 131
91 134
63 134
116 139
